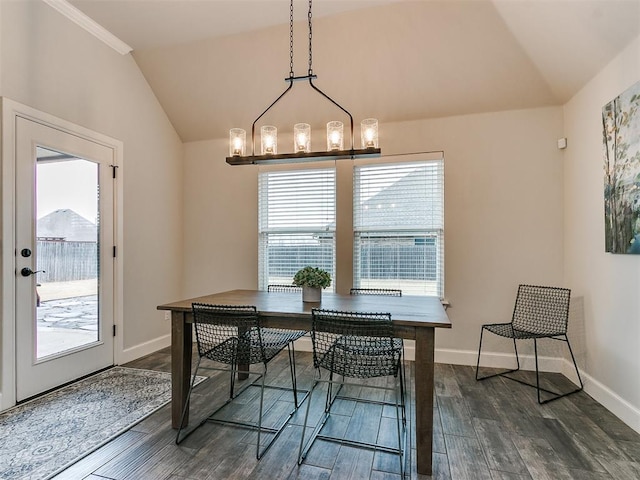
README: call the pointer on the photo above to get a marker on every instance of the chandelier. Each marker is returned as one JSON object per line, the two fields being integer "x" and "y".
{"x": 268, "y": 152}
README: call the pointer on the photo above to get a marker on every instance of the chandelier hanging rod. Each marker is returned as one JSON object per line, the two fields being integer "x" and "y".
{"x": 291, "y": 80}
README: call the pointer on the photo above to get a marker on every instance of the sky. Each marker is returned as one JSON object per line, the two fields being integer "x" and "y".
{"x": 71, "y": 184}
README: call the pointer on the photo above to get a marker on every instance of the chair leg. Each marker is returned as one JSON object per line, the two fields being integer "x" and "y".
{"x": 556, "y": 395}
{"x": 539, "y": 389}
{"x": 515, "y": 348}
{"x": 479, "y": 350}
{"x": 329, "y": 400}
{"x": 232, "y": 380}
{"x": 258, "y": 453}
{"x": 317, "y": 431}
{"x": 302, "y": 452}
{"x": 403, "y": 387}
{"x": 401, "y": 424}
{"x": 535, "y": 353}
{"x": 575, "y": 365}
{"x": 292, "y": 367}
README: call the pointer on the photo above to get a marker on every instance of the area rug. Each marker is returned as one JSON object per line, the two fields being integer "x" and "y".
{"x": 43, "y": 436}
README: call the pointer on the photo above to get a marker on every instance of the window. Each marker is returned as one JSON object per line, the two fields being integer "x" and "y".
{"x": 399, "y": 227}
{"x": 297, "y": 222}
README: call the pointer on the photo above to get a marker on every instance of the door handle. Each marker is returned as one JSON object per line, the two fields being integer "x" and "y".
{"x": 26, "y": 271}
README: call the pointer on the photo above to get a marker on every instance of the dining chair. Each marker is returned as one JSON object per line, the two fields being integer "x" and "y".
{"x": 394, "y": 292}
{"x": 355, "y": 345}
{"x": 539, "y": 312}
{"x": 391, "y": 292}
{"x": 284, "y": 288}
{"x": 232, "y": 335}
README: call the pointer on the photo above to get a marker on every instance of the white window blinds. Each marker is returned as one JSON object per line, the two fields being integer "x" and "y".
{"x": 297, "y": 222}
{"x": 399, "y": 227}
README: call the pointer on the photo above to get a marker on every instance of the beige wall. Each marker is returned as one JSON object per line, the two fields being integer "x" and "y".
{"x": 610, "y": 284}
{"x": 503, "y": 213}
{"x": 50, "y": 64}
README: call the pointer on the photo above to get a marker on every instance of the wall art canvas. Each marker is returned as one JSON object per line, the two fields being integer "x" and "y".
{"x": 621, "y": 141}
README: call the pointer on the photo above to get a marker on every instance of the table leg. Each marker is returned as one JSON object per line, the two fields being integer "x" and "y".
{"x": 181, "y": 345}
{"x": 424, "y": 398}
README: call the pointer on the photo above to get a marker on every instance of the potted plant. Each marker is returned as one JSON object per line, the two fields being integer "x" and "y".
{"x": 312, "y": 280}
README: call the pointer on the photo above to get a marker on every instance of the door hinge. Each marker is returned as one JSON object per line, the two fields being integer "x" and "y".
{"x": 114, "y": 330}
{"x": 114, "y": 251}
{"x": 114, "y": 167}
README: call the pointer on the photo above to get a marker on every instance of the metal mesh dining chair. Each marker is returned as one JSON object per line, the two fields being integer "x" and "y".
{"x": 539, "y": 312}
{"x": 393, "y": 292}
{"x": 284, "y": 288}
{"x": 358, "y": 346}
{"x": 232, "y": 335}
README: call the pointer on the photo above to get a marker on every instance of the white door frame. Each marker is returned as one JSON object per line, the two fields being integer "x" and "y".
{"x": 10, "y": 111}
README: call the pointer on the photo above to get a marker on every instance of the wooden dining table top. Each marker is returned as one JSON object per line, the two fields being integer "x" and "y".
{"x": 406, "y": 310}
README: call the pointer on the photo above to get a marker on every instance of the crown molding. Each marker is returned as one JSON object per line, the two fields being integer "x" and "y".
{"x": 82, "y": 20}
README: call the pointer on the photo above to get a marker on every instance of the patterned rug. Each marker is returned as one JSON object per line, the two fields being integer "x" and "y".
{"x": 43, "y": 436}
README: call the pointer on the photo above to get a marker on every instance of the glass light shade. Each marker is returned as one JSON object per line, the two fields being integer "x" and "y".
{"x": 269, "y": 139}
{"x": 335, "y": 136}
{"x": 369, "y": 133}
{"x": 237, "y": 142}
{"x": 302, "y": 138}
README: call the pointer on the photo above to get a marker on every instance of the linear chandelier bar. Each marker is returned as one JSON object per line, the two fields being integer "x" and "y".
{"x": 335, "y": 148}
{"x": 304, "y": 157}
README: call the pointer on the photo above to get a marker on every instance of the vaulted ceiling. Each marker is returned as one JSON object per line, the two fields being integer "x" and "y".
{"x": 217, "y": 64}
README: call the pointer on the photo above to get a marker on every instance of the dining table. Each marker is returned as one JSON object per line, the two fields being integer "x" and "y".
{"x": 414, "y": 318}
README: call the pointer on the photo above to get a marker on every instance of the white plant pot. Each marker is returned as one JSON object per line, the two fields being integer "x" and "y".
{"x": 311, "y": 294}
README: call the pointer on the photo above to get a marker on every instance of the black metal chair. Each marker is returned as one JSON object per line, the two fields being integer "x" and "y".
{"x": 539, "y": 312}
{"x": 361, "y": 346}
{"x": 232, "y": 335}
{"x": 393, "y": 292}
{"x": 284, "y": 288}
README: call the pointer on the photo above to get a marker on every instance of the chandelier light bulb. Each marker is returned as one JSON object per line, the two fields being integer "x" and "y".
{"x": 335, "y": 136}
{"x": 369, "y": 133}
{"x": 269, "y": 140}
{"x": 302, "y": 137}
{"x": 237, "y": 141}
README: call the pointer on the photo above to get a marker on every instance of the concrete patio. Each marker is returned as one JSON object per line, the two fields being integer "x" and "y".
{"x": 67, "y": 317}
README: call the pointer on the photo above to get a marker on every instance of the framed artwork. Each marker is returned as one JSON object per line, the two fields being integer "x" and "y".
{"x": 621, "y": 142}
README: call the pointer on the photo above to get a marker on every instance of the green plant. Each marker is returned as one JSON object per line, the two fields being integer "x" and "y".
{"x": 312, "y": 277}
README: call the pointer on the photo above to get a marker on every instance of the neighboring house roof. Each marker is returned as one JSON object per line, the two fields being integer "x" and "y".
{"x": 402, "y": 202}
{"x": 67, "y": 225}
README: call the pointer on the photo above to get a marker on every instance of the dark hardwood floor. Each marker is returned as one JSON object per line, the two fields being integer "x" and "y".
{"x": 492, "y": 430}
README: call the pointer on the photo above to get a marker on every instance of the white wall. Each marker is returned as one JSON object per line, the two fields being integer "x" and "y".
{"x": 50, "y": 64}
{"x": 503, "y": 214}
{"x": 610, "y": 284}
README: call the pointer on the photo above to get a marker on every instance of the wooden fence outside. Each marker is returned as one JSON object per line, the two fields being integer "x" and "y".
{"x": 65, "y": 261}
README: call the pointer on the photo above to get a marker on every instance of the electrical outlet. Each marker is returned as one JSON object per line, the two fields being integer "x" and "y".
{"x": 167, "y": 315}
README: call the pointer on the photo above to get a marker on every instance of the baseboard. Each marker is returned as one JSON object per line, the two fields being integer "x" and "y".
{"x": 137, "y": 351}
{"x": 606, "y": 397}
{"x": 499, "y": 360}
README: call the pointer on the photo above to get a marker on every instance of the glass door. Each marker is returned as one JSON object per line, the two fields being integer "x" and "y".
{"x": 64, "y": 239}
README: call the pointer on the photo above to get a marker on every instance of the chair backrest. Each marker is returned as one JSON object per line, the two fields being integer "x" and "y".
{"x": 283, "y": 288}
{"x": 355, "y": 344}
{"x": 393, "y": 292}
{"x": 542, "y": 310}
{"x": 228, "y": 333}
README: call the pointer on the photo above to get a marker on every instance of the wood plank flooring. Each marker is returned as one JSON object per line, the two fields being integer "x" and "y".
{"x": 492, "y": 430}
